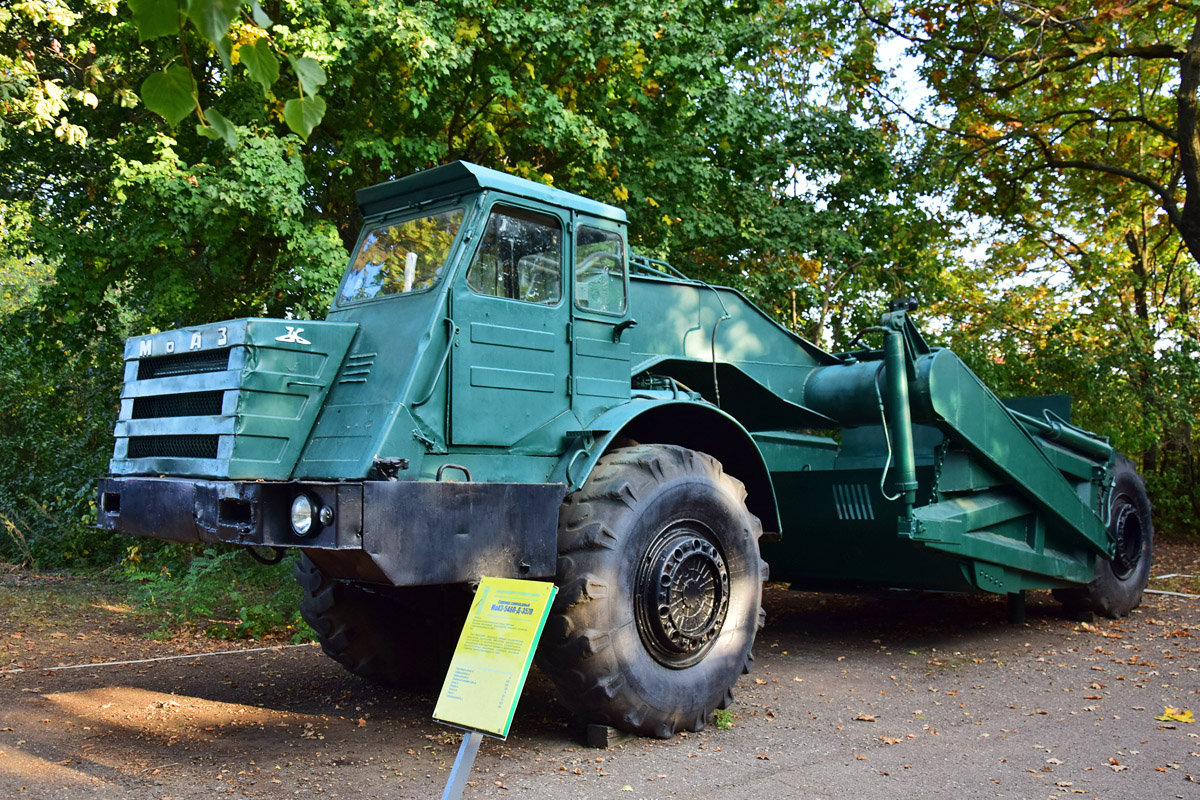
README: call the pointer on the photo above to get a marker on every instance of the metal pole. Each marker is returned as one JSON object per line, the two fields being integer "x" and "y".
{"x": 462, "y": 766}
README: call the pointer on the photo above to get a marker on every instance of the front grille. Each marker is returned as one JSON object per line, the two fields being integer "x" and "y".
{"x": 191, "y": 404}
{"x": 183, "y": 364}
{"x": 198, "y": 446}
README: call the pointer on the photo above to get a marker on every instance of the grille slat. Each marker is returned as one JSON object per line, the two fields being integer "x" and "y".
{"x": 194, "y": 446}
{"x": 191, "y": 363}
{"x": 191, "y": 404}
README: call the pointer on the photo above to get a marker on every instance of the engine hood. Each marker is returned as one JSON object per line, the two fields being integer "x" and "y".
{"x": 234, "y": 399}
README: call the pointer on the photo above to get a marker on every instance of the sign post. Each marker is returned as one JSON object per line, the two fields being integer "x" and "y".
{"x": 490, "y": 664}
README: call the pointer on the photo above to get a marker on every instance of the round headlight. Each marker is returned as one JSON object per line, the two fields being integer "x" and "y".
{"x": 302, "y": 514}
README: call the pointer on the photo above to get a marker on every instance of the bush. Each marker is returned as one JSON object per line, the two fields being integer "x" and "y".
{"x": 57, "y": 412}
{"x": 219, "y": 590}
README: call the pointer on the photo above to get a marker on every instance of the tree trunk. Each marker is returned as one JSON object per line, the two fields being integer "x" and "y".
{"x": 1188, "y": 128}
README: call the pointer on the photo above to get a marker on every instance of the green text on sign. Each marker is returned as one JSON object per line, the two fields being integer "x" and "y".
{"x": 493, "y": 655}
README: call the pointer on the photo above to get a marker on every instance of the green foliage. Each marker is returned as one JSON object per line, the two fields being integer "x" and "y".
{"x": 723, "y": 719}
{"x": 57, "y": 413}
{"x": 304, "y": 113}
{"x": 36, "y": 97}
{"x": 218, "y": 127}
{"x": 22, "y": 273}
{"x": 261, "y": 63}
{"x": 221, "y": 591}
{"x": 171, "y": 93}
{"x": 225, "y": 26}
{"x": 155, "y": 18}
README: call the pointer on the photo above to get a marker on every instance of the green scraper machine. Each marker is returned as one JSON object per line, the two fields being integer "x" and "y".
{"x": 502, "y": 389}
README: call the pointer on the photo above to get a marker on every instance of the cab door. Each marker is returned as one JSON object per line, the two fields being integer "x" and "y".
{"x": 600, "y": 317}
{"x": 511, "y": 359}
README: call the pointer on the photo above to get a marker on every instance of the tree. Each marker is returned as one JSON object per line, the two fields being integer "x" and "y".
{"x": 189, "y": 191}
{"x": 1067, "y": 134}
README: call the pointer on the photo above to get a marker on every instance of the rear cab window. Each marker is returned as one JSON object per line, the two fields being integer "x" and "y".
{"x": 600, "y": 271}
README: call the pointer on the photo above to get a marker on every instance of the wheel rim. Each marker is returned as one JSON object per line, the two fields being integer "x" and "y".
{"x": 681, "y": 596}
{"x": 1129, "y": 535}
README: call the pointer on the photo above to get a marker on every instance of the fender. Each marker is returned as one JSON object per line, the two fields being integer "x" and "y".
{"x": 687, "y": 423}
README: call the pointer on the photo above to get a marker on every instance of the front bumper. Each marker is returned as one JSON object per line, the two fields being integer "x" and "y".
{"x": 405, "y": 533}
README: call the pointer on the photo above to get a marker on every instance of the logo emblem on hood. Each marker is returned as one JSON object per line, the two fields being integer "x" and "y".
{"x": 293, "y": 335}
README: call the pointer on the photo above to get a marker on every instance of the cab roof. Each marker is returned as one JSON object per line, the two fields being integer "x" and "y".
{"x": 462, "y": 177}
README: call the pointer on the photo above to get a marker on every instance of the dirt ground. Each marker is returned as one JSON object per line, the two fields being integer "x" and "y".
{"x": 891, "y": 696}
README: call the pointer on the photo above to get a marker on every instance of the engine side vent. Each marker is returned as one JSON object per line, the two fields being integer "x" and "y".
{"x": 853, "y": 501}
{"x": 358, "y": 368}
{"x": 191, "y": 363}
{"x": 195, "y": 446}
{"x": 191, "y": 404}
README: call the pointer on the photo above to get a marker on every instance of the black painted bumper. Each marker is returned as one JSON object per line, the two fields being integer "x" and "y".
{"x": 405, "y": 533}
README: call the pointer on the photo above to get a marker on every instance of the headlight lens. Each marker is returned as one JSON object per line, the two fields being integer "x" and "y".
{"x": 302, "y": 514}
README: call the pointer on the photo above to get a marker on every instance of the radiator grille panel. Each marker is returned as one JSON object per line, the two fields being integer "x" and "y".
{"x": 192, "y": 404}
{"x": 195, "y": 446}
{"x": 183, "y": 364}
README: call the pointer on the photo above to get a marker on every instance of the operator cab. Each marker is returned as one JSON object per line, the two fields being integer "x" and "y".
{"x": 519, "y": 289}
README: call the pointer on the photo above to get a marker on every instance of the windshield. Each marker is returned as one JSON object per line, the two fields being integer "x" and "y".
{"x": 401, "y": 257}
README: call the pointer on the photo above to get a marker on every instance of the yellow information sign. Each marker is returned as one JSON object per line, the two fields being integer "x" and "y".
{"x": 493, "y": 655}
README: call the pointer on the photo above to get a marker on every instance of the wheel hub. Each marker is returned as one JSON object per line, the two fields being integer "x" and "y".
{"x": 1128, "y": 527}
{"x": 681, "y": 597}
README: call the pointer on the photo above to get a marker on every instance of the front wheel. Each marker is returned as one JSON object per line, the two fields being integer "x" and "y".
{"x": 402, "y": 637}
{"x": 660, "y": 589}
{"x": 1119, "y": 582}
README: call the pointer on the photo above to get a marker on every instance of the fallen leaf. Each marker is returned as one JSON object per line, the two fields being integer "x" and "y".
{"x": 861, "y": 757}
{"x": 890, "y": 740}
{"x": 1176, "y": 715}
{"x": 1118, "y": 767}
{"x": 865, "y": 718}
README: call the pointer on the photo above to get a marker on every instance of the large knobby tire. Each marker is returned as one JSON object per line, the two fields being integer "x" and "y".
{"x": 660, "y": 591}
{"x": 1117, "y": 588}
{"x": 402, "y": 637}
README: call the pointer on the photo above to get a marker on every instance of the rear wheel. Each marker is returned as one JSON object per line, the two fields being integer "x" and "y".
{"x": 401, "y": 637}
{"x": 1117, "y": 588}
{"x": 660, "y": 585}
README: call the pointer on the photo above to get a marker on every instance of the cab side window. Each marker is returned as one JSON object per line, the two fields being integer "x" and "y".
{"x": 519, "y": 257}
{"x": 599, "y": 271}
